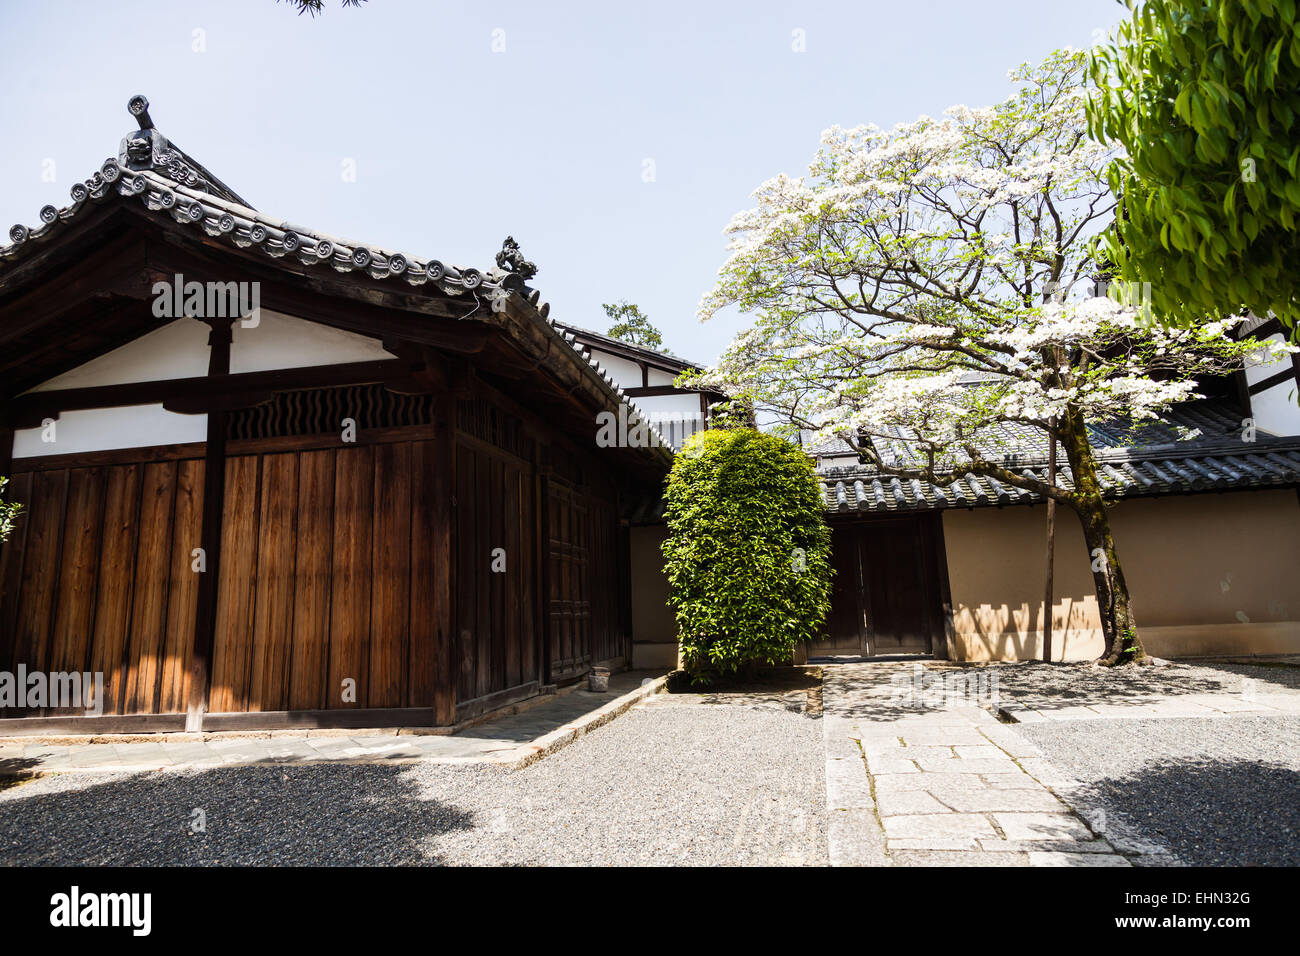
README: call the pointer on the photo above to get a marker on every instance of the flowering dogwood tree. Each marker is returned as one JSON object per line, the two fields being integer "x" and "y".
{"x": 928, "y": 289}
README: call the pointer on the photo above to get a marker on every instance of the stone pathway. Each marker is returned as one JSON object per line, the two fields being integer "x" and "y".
{"x": 514, "y": 739}
{"x": 915, "y": 777}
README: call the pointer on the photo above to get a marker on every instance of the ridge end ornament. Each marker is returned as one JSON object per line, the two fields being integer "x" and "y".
{"x": 510, "y": 257}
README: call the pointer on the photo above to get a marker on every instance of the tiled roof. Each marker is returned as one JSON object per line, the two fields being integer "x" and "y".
{"x": 598, "y": 339}
{"x": 166, "y": 180}
{"x": 245, "y": 227}
{"x": 1134, "y": 461}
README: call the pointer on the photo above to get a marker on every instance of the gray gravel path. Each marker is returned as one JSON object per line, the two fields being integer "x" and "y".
{"x": 685, "y": 783}
{"x": 1218, "y": 791}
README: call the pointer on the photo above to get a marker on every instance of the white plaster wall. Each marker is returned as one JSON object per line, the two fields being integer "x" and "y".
{"x": 676, "y": 416}
{"x": 1277, "y": 409}
{"x": 101, "y": 429}
{"x": 177, "y": 350}
{"x": 676, "y": 406}
{"x": 658, "y": 376}
{"x": 623, "y": 371}
{"x": 283, "y": 341}
{"x": 1257, "y": 372}
{"x": 180, "y": 350}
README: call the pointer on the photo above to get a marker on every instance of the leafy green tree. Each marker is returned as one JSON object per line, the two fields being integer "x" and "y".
{"x": 632, "y": 326}
{"x": 748, "y": 551}
{"x": 1204, "y": 96}
{"x": 925, "y": 293}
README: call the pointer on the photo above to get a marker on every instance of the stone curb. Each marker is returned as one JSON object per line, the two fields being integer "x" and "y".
{"x": 560, "y": 738}
{"x": 1016, "y": 713}
{"x": 513, "y": 758}
{"x": 207, "y": 736}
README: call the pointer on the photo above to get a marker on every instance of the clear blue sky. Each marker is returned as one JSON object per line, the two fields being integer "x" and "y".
{"x": 455, "y": 145}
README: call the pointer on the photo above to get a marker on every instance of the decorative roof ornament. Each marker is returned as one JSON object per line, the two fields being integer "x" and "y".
{"x": 147, "y": 148}
{"x": 510, "y": 257}
{"x": 138, "y": 106}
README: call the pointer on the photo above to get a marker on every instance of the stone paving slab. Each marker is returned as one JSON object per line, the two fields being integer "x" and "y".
{"x": 921, "y": 783}
{"x": 513, "y": 739}
{"x": 1028, "y": 707}
{"x": 958, "y": 858}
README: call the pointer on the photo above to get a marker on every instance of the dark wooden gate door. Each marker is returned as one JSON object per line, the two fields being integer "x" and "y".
{"x": 886, "y": 596}
{"x": 847, "y": 622}
{"x": 568, "y": 581}
{"x": 900, "y": 588}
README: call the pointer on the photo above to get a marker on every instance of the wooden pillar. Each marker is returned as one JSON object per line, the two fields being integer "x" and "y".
{"x": 544, "y": 569}
{"x": 442, "y": 495}
{"x": 214, "y": 493}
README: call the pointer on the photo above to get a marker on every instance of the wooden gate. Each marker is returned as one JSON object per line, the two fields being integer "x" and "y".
{"x": 887, "y": 593}
{"x": 568, "y": 581}
{"x": 325, "y": 598}
{"x": 496, "y": 566}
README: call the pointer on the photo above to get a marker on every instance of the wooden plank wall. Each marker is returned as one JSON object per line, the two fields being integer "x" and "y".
{"x": 329, "y": 580}
{"x": 334, "y": 566}
{"x": 97, "y": 577}
{"x": 496, "y": 614}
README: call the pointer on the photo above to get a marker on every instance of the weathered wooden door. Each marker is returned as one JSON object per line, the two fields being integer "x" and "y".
{"x": 901, "y": 591}
{"x": 568, "y": 581}
{"x": 885, "y": 595}
{"x": 327, "y": 580}
{"x": 847, "y": 622}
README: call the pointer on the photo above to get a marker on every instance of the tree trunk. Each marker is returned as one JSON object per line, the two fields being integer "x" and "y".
{"x": 1118, "y": 624}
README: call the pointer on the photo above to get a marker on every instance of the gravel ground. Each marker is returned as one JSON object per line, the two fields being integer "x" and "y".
{"x": 1218, "y": 791}
{"x": 675, "y": 783}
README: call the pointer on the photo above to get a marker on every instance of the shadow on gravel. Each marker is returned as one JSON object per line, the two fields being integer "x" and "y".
{"x": 14, "y": 770}
{"x": 1211, "y": 813}
{"x": 1048, "y": 687}
{"x": 286, "y": 816}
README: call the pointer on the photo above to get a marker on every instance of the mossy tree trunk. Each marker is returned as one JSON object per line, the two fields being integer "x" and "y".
{"x": 1114, "y": 605}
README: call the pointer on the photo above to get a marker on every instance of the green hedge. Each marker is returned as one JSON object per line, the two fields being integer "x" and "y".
{"x": 748, "y": 551}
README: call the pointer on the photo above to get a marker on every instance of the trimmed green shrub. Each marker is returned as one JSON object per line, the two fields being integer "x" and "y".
{"x": 748, "y": 551}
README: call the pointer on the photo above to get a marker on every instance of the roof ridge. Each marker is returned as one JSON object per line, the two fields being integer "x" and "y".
{"x": 674, "y": 359}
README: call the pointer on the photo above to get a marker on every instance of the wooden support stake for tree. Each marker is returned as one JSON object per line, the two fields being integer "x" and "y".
{"x": 1051, "y": 542}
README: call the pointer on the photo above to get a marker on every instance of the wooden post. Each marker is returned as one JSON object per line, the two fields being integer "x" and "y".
{"x": 443, "y": 493}
{"x": 214, "y": 493}
{"x": 544, "y": 566}
{"x": 1051, "y": 543}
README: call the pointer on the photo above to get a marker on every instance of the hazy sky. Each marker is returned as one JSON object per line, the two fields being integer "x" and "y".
{"x": 466, "y": 122}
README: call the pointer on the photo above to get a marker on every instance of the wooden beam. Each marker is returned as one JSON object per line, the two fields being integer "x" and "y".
{"x": 198, "y": 394}
{"x": 649, "y": 390}
{"x": 1287, "y": 375}
{"x": 118, "y": 272}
